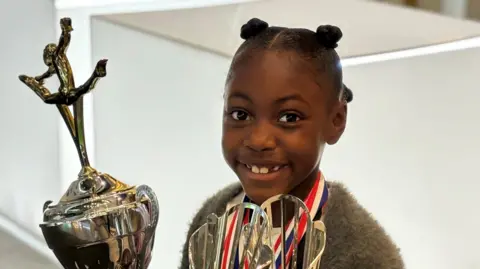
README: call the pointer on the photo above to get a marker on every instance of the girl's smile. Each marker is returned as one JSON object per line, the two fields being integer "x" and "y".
{"x": 263, "y": 171}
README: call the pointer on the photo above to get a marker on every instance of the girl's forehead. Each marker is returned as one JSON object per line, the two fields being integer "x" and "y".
{"x": 270, "y": 76}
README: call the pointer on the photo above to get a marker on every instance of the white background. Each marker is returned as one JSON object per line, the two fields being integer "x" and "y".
{"x": 29, "y": 144}
{"x": 29, "y": 163}
{"x": 409, "y": 153}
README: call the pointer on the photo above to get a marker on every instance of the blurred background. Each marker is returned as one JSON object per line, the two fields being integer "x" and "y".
{"x": 410, "y": 152}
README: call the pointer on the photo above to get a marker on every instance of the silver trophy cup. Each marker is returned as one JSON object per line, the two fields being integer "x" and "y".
{"x": 100, "y": 222}
{"x": 253, "y": 241}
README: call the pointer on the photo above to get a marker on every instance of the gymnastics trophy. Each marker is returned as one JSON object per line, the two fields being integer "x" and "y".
{"x": 100, "y": 222}
{"x": 243, "y": 237}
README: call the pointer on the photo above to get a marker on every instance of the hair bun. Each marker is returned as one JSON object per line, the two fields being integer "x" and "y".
{"x": 329, "y": 35}
{"x": 252, "y": 28}
{"x": 347, "y": 94}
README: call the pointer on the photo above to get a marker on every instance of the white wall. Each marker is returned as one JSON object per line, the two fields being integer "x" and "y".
{"x": 408, "y": 153}
{"x": 28, "y": 136}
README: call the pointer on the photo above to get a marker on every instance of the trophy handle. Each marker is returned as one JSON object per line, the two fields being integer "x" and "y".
{"x": 317, "y": 245}
{"x": 147, "y": 197}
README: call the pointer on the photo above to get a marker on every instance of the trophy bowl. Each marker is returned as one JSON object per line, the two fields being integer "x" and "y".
{"x": 112, "y": 230}
{"x": 100, "y": 222}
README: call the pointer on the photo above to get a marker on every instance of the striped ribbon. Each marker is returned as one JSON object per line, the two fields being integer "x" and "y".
{"x": 315, "y": 200}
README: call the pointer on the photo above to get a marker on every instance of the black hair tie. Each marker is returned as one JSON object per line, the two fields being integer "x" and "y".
{"x": 252, "y": 28}
{"x": 329, "y": 35}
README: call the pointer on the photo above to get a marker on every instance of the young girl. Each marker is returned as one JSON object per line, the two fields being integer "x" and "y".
{"x": 284, "y": 101}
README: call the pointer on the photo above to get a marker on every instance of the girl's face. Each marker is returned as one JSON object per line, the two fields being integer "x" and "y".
{"x": 277, "y": 120}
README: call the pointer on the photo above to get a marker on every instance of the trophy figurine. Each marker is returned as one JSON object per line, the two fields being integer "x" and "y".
{"x": 100, "y": 222}
{"x": 233, "y": 242}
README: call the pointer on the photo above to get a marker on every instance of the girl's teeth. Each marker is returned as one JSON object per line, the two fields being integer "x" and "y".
{"x": 262, "y": 170}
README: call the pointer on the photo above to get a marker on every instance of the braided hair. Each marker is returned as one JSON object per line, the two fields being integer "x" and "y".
{"x": 317, "y": 48}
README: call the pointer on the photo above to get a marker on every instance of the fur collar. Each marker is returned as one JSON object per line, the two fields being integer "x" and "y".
{"x": 354, "y": 239}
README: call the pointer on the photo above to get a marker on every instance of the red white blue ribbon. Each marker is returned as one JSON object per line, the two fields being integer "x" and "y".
{"x": 315, "y": 201}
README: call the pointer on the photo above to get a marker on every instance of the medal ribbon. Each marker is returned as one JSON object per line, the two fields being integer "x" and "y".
{"x": 316, "y": 200}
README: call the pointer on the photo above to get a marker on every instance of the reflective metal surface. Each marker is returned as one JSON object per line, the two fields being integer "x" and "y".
{"x": 293, "y": 209}
{"x": 255, "y": 239}
{"x": 100, "y": 222}
{"x": 252, "y": 241}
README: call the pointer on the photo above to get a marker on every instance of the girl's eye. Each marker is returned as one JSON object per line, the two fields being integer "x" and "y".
{"x": 289, "y": 118}
{"x": 240, "y": 115}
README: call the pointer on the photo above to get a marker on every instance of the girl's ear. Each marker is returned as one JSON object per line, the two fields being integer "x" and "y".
{"x": 336, "y": 122}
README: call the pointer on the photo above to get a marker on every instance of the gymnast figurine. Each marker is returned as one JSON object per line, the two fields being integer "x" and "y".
{"x": 54, "y": 57}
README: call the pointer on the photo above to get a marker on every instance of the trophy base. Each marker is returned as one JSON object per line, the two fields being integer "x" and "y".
{"x": 128, "y": 252}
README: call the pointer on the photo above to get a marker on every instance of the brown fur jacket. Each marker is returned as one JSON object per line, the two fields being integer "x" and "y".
{"x": 354, "y": 239}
